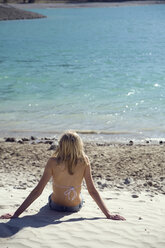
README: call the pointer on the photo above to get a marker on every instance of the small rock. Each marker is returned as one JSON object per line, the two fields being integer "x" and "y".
{"x": 19, "y": 187}
{"x": 135, "y": 196}
{"x": 131, "y": 143}
{"x": 150, "y": 183}
{"x": 99, "y": 183}
{"x": 48, "y": 142}
{"x": 20, "y": 142}
{"x": 52, "y": 147}
{"x": 104, "y": 185}
{"x": 140, "y": 218}
{"x": 148, "y": 176}
{"x": 25, "y": 139}
{"x": 156, "y": 185}
{"x": 119, "y": 187}
{"x": 10, "y": 139}
{"x": 33, "y": 138}
{"x": 160, "y": 142}
{"x": 126, "y": 181}
{"x": 108, "y": 179}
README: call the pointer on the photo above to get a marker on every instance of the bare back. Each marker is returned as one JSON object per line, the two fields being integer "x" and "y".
{"x": 66, "y": 187}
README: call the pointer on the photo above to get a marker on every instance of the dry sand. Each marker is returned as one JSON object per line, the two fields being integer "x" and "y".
{"x": 40, "y": 227}
{"x": 130, "y": 179}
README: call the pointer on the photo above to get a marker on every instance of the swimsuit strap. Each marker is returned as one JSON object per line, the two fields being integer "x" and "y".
{"x": 68, "y": 191}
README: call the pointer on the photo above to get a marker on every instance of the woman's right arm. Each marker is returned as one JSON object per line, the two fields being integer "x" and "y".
{"x": 96, "y": 196}
{"x": 35, "y": 193}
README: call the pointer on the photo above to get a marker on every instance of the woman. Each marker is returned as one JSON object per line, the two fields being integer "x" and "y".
{"x": 67, "y": 167}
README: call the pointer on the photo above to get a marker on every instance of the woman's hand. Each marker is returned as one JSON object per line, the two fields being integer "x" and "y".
{"x": 7, "y": 216}
{"x": 115, "y": 217}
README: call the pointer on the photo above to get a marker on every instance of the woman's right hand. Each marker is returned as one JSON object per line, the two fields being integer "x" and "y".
{"x": 7, "y": 216}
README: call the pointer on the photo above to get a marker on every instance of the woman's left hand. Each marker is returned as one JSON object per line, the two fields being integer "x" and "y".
{"x": 116, "y": 217}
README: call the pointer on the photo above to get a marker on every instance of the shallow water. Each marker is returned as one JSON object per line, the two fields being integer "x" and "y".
{"x": 97, "y": 69}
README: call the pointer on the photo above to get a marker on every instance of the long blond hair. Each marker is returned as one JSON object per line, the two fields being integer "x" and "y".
{"x": 70, "y": 150}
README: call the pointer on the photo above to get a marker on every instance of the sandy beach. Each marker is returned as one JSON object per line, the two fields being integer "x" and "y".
{"x": 130, "y": 178}
{"x": 134, "y": 168}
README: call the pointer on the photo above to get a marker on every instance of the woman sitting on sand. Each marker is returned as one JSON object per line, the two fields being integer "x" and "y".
{"x": 67, "y": 167}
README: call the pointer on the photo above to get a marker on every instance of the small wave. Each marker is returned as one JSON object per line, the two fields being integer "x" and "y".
{"x": 26, "y": 61}
{"x": 103, "y": 132}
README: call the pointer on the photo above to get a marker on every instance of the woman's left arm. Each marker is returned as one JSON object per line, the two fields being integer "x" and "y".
{"x": 35, "y": 193}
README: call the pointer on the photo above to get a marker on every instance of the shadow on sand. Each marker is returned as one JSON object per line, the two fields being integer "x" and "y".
{"x": 43, "y": 218}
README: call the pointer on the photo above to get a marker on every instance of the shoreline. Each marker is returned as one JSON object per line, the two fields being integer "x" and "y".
{"x": 86, "y": 4}
{"x": 124, "y": 167}
{"x": 102, "y": 137}
{"x": 20, "y": 11}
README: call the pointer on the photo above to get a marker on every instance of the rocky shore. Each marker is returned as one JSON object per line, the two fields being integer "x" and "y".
{"x": 8, "y": 12}
{"x": 135, "y": 168}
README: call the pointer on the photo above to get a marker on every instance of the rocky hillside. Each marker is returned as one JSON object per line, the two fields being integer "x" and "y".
{"x": 10, "y": 13}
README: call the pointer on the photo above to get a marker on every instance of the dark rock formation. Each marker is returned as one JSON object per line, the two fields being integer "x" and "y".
{"x": 8, "y": 12}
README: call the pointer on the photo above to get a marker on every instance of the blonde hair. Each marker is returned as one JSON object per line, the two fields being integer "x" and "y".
{"x": 70, "y": 150}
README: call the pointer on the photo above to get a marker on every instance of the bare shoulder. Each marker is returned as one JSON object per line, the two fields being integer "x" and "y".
{"x": 83, "y": 161}
{"x": 51, "y": 162}
{"x": 87, "y": 160}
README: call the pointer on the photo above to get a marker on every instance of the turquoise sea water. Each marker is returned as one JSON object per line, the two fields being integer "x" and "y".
{"x": 98, "y": 69}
